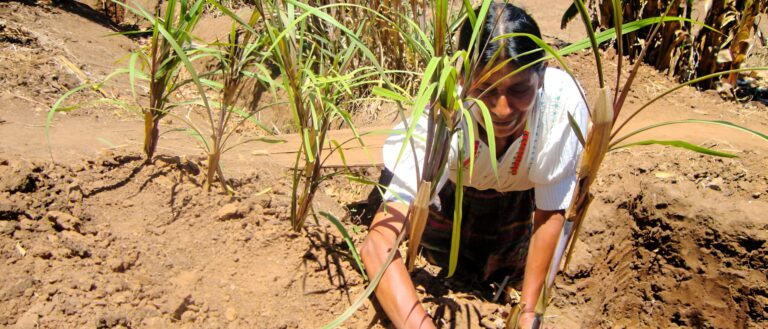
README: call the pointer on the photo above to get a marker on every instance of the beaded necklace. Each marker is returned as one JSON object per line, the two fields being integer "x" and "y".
{"x": 520, "y": 150}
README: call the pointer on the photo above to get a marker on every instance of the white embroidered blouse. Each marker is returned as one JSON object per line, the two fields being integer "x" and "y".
{"x": 546, "y": 163}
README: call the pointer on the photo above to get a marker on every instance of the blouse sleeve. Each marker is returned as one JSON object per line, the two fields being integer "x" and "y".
{"x": 405, "y": 180}
{"x": 554, "y": 169}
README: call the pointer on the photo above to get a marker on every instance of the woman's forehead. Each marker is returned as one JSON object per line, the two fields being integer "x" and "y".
{"x": 523, "y": 76}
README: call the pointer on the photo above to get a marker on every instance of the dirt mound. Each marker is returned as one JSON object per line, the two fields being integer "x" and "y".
{"x": 115, "y": 242}
{"x": 680, "y": 243}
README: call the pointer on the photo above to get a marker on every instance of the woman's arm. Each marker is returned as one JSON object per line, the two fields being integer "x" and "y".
{"x": 395, "y": 291}
{"x": 546, "y": 231}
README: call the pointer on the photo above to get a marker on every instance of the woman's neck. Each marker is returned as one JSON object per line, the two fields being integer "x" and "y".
{"x": 502, "y": 143}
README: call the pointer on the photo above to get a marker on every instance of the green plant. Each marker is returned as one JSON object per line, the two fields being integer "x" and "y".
{"x": 318, "y": 77}
{"x": 158, "y": 64}
{"x": 161, "y": 61}
{"x": 167, "y": 67}
{"x": 348, "y": 240}
{"x": 239, "y": 67}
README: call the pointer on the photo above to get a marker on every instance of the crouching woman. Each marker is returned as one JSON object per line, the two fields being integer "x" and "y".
{"x": 511, "y": 224}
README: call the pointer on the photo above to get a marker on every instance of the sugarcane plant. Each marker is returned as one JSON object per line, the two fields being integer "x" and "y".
{"x": 158, "y": 64}
{"x": 678, "y": 47}
{"x": 239, "y": 67}
{"x": 603, "y": 134}
{"x": 321, "y": 62}
{"x": 161, "y": 61}
{"x": 169, "y": 66}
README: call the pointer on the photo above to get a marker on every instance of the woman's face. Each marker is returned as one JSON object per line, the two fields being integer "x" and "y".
{"x": 509, "y": 100}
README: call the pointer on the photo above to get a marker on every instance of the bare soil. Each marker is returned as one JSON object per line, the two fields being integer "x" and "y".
{"x": 97, "y": 237}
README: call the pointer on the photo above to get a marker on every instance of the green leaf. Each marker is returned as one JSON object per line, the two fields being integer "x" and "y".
{"x": 389, "y": 94}
{"x": 671, "y": 90}
{"x": 489, "y": 132}
{"x": 576, "y": 129}
{"x": 667, "y": 123}
{"x": 418, "y": 110}
{"x": 344, "y": 233}
{"x": 368, "y": 290}
{"x": 106, "y": 142}
{"x": 470, "y": 132}
{"x": 337, "y": 148}
{"x": 680, "y": 144}
{"x": 56, "y": 108}
{"x": 629, "y": 27}
{"x": 307, "y": 146}
{"x": 479, "y": 22}
{"x": 132, "y": 73}
{"x": 592, "y": 40}
{"x": 453, "y": 256}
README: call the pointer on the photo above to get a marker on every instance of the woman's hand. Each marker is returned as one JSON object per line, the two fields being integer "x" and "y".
{"x": 546, "y": 231}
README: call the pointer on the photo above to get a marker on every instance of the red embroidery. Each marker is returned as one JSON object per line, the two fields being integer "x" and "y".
{"x": 477, "y": 148}
{"x": 520, "y": 151}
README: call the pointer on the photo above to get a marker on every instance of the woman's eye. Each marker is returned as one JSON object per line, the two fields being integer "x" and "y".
{"x": 488, "y": 92}
{"x": 518, "y": 90}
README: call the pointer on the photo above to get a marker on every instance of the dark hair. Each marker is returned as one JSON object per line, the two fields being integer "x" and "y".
{"x": 507, "y": 18}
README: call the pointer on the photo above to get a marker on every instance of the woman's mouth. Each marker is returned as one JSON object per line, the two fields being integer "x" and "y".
{"x": 503, "y": 123}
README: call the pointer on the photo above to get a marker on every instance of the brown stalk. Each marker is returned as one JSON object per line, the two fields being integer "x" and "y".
{"x": 419, "y": 212}
{"x": 598, "y": 139}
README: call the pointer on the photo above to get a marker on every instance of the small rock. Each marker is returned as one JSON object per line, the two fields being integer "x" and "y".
{"x": 229, "y": 211}
{"x": 28, "y": 320}
{"x": 7, "y": 227}
{"x": 756, "y": 195}
{"x": 230, "y": 314}
{"x": 122, "y": 264}
{"x": 716, "y": 184}
{"x": 30, "y": 225}
{"x": 487, "y": 323}
{"x": 18, "y": 178}
{"x": 188, "y": 316}
{"x": 113, "y": 320}
{"x": 63, "y": 221}
{"x": 177, "y": 304}
{"x": 76, "y": 243}
{"x": 9, "y": 210}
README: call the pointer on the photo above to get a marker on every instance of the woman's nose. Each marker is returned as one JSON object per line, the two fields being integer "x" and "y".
{"x": 502, "y": 107}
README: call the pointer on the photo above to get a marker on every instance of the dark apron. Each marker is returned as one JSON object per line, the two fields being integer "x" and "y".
{"x": 495, "y": 232}
{"x": 496, "y": 229}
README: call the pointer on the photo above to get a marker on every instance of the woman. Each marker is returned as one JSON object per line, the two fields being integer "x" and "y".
{"x": 510, "y": 226}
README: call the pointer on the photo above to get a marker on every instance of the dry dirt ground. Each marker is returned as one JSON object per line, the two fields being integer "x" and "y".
{"x": 102, "y": 239}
